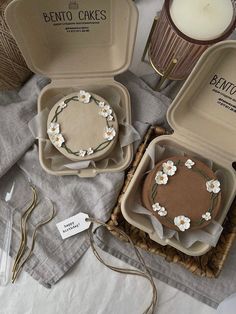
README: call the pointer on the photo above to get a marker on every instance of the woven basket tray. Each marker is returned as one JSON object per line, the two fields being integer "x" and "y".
{"x": 208, "y": 265}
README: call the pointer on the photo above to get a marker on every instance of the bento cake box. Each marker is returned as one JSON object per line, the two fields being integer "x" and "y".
{"x": 203, "y": 118}
{"x": 79, "y": 45}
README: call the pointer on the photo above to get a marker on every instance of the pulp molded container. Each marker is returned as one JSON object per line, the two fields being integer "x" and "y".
{"x": 203, "y": 117}
{"x": 78, "y": 45}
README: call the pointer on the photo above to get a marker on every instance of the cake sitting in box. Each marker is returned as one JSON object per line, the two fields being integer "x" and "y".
{"x": 83, "y": 126}
{"x": 182, "y": 193}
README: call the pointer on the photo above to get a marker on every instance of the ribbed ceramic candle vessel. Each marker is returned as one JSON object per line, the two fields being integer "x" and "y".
{"x": 182, "y": 33}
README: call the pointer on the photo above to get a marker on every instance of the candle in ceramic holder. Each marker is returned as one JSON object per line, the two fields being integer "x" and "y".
{"x": 184, "y": 30}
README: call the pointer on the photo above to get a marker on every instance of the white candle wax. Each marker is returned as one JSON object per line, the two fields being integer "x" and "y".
{"x": 202, "y": 19}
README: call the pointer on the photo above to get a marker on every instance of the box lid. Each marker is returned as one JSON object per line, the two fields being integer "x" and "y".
{"x": 74, "y": 38}
{"x": 205, "y": 108}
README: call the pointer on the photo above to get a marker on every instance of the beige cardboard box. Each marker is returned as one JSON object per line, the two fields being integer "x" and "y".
{"x": 203, "y": 117}
{"x": 79, "y": 45}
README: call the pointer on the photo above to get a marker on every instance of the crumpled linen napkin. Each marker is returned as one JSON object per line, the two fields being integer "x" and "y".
{"x": 17, "y": 108}
{"x": 52, "y": 256}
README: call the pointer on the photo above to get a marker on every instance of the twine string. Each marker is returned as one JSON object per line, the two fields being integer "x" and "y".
{"x": 25, "y": 216}
{"x": 19, "y": 262}
{"x": 40, "y": 225}
{"x": 145, "y": 273}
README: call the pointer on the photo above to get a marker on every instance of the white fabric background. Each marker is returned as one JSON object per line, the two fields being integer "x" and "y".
{"x": 90, "y": 287}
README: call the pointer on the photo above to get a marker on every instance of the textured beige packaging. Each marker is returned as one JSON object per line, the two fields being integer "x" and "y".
{"x": 203, "y": 117}
{"x": 80, "y": 45}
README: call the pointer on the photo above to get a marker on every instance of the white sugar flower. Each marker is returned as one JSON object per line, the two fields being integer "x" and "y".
{"x": 161, "y": 178}
{"x": 105, "y": 111}
{"x": 58, "y": 140}
{"x": 182, "y": 222}
{"x": 189, "y": 164}
{"x": 156, "y": 207}
{"x": 109, "y": 133}
{"x": 207, "y": 216}
{"x": 90, "y": 151}
{"x": 63, "y": 105}
{"x": 162, "y": 212}
{"x": 101, "y": 104}
{"x": 54, "y": 129}
{"x": 169, "y": 168}
{"x": 213, "y": 186}
{"x": 84, "y": 97}
{"x": 82, "y": 153}
{"x": 110, "y": 118}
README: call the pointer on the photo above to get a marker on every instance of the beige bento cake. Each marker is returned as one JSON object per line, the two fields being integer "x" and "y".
{"x": 86, "y": 58}
{"x": 182, "y": 193}
{"x": 83, "y": 126}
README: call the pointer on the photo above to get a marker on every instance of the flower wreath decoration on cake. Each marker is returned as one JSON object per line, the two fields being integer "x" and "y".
{"x": 169, "y": 169}
{"x": 58, "y": 139}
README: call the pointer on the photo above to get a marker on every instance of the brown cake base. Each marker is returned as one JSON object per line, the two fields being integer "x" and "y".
{"x": 185, "y": 194}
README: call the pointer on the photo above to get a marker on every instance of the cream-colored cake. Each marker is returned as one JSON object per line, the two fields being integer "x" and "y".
{"x": 83, "y": 126}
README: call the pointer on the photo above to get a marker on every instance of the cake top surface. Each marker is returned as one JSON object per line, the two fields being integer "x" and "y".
{"x": 183, "y": 193}
{"x": 83, "y": 126}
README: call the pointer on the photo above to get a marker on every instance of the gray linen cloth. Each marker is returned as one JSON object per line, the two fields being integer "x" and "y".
{"x": 17, "y": 108}
{"x": 53, "y": 257}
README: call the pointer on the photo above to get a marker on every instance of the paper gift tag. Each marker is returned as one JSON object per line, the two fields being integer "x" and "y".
{"x": 73, "y": 225}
